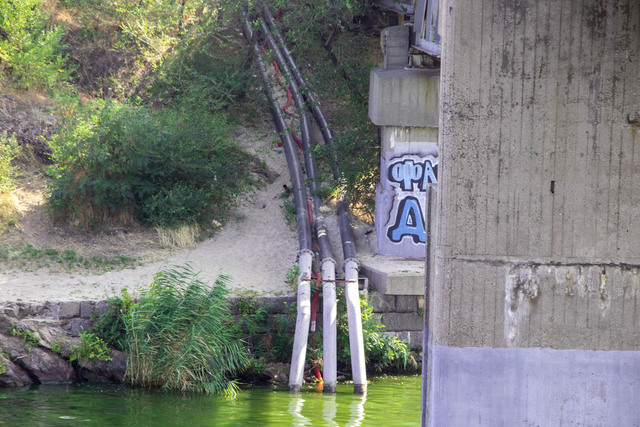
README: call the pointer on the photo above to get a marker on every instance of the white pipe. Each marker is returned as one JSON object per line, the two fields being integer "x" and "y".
{"x": 329, "y": 329}
{"x": 302, "y": 321}
{"x": 356, "y": 341}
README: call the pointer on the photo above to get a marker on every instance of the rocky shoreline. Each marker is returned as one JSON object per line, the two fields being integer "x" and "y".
{"x": 37, "y": 341}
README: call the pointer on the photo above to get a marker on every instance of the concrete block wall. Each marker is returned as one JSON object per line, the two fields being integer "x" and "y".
{"x": 402, "y": 316}
{"x": 535, "y": 279}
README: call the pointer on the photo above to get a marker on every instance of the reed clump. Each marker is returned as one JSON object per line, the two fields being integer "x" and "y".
{"x": 179, "y": 336}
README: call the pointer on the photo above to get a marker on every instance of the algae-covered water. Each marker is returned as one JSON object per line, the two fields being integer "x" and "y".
{"x": 390, "y": 401}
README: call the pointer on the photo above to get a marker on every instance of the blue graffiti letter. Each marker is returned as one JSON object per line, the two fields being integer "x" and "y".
{"x": 409, "y": 222}
{"x": 406, "y": 173}
{"x": 430, "y": 174}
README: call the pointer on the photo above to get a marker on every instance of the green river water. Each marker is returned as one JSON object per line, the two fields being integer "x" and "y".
{"x": 390, "y": 401}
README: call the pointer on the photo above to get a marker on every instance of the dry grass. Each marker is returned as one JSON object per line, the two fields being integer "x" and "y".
{"x": 181, "y": 237}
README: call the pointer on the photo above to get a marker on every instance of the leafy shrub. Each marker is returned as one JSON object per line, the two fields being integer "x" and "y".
{"x": 9, "y": 149}
{"x": 180, "y": 337}
{"x": 110, "y": 326}
{"x": 119, "y": 163}
{"x": 92, "y": 348}
{"x": 30, "y": 51}
{"x": 382, "y": 351}
{"x": 268, "y": 337}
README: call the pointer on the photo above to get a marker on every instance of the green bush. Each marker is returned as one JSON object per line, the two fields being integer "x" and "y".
{"x": 118, "y": 163}
{"x": 382, "y": 351}
{"x": 30, "y": 51}
{"x": 92, "y": 348}
{"x": 180, "y": 336}
{"x": 110, "y": 326}
{"x": 269, "y": 338}
{"x": 9, "y": 149}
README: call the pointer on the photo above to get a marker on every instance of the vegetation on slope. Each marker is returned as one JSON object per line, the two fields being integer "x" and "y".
{"x": 144, "y": 94}
{"x": 130, "y": 77}
{"x": 335, "y": 44}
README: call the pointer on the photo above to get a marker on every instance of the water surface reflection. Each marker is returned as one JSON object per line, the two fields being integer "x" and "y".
{"x": 388, "y": 398}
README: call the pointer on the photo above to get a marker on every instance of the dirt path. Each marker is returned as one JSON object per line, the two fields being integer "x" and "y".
{"x": 256, "y": 247}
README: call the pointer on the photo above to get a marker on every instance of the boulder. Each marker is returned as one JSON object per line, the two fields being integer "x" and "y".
{"x": 13, "y": 375}
{"x": 113, "y": 370}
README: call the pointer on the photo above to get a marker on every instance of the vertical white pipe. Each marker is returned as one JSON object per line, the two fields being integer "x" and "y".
{"x": 302, "y": 321}
{"x": 356, "y": 341}
{"x": 329, "y": 329}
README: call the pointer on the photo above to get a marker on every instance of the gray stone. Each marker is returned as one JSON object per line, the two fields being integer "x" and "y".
{"x": 69, "y": 309}
{"x": 382, "y": 303}
{"x": 39, "y": 363}
{"x": 101, "y": 307}
{"x": 77, "y": 326}
{"x": 276, "y": 373}
{"x": 14, "y": 375}
{"x": 112, "y": 370}
{"x": 415, "y": 339}
{"x": 406, "y": 304}
{"x": 87, "y": 309}
{"x": 402, "y": 321}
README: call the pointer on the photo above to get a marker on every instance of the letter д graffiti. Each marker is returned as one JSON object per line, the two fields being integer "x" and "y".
{"x": 409, "y": 222}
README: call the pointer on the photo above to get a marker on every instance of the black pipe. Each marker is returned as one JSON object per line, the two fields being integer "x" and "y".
{"x": 305, "y": 127}
{"x": 322, "y": 234}
{"x": 320, "y": 228}
{"x": 346, "y": 231}
{"x": 299, "y": 193}
{"x": 313, "y": 103}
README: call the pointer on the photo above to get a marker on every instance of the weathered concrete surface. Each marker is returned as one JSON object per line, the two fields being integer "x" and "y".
{"x": 394, "y": 276}
{"x": 395, "y": 46}
{"x": 404, "y": 101}
{"x": 537, "y": 242}
{"x": 398, "y": 97}
{"x": 534, "y": 387}
{"x": 537, "y": 305}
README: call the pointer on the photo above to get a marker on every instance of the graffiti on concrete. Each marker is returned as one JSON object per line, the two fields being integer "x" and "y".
{"x": 408, "y": 176}
{"x": 409, "y": 222}
{"x": 407, "y": 172}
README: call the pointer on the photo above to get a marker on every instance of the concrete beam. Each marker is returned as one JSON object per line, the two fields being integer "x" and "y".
{"x": 399, "y": 97}
{"x": 394, "y": 276}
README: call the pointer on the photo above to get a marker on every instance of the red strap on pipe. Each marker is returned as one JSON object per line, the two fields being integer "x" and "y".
{"x": 314, "y": 310}
{"x": 275, "y": 66}
{"x": 293, "y": 134}
{"x": 288, "y": 103}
